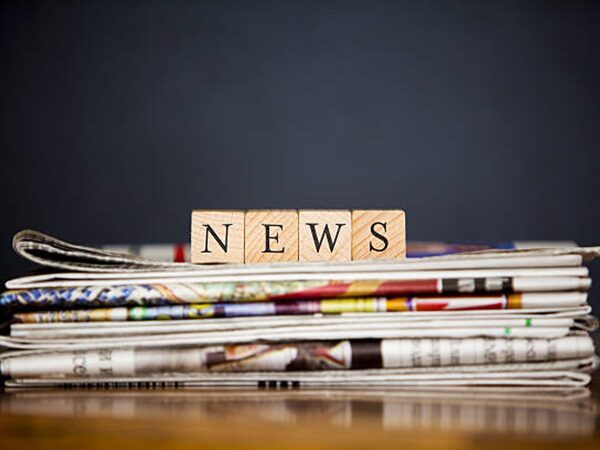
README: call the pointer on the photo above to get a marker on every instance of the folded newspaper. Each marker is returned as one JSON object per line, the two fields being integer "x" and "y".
{"x": 493, "y": 317}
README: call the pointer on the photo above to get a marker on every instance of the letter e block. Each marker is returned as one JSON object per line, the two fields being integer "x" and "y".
{"x": 271, "y": 236}
{"x": 378, "y": 234}
{"x": 217, "y": 237}
{"x": 325, "y": 235}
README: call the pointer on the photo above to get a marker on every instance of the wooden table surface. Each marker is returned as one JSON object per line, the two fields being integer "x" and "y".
{"x": 299, "y": 419}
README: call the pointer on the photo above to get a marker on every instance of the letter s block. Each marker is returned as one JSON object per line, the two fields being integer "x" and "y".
{"x": 378, "y": 234}
{"x": 217, "y": 237}
{"x": 271, "y": 236}
{"x": 325, "y": 235}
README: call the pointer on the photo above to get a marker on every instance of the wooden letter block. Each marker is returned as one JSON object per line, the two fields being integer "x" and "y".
{"x": 217, "y": 237}
{"x": 271, "y": 236}
{"x": 378, "y": 234}
{"x": 325, "y": 235}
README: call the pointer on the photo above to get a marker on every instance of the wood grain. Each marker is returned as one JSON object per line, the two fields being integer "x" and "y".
{"x": 325, "y": 235}
{"x": 226, "y": 245}
{"x": 240, "y": 419}
{"x": 271, "y": 236}
{"x": 378, "y": 234}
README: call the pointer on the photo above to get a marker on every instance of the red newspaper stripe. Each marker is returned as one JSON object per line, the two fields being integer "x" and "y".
{"x": 179, "y": 253}
{"x": 387, "y": 288}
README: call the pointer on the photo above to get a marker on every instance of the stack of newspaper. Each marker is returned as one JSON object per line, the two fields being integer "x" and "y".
{"x": 101, "y": 318}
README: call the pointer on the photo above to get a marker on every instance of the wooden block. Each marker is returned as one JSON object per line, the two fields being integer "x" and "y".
{"x": 271, "y": 236}
{"x": 378, "y": 234}
{"x": 217, "y": 236}
{"x": 325, "y": 235}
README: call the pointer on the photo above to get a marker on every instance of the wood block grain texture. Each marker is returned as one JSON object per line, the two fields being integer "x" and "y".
{"x": 217, "y": 236}
{"x": 271, "y": 236}
{"x": 378, "y": 234}
{"x": 325, "y": 235}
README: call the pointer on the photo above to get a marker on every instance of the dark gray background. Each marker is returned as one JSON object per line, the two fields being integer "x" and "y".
{"x": 480, "y": 119}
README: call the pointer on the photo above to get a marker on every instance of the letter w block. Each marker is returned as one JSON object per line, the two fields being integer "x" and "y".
{"x": 217, "y": 237}
{"x": 325, "y": 235}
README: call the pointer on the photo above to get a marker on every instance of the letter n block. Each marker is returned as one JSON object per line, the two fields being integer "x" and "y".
{"x": 378, "y": 234}
{"x": 217, "y": 237}
{"x": 325, "y": 235}
{"x": 271, "y": 236}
